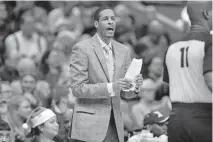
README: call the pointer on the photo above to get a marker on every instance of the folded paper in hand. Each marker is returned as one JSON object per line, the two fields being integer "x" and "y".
{"x": 133, "y": 70}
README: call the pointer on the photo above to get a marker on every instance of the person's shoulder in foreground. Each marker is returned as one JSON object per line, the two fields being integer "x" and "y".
{"x": 197, "y": 34}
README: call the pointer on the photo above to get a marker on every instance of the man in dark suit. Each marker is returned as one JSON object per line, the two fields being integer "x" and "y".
{"x": 98, "y": 67}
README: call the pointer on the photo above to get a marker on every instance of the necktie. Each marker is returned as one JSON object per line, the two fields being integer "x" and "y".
{"x": 109, "y": 61}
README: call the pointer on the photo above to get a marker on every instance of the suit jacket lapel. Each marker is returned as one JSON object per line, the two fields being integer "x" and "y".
{"x": 100, "y": 54}
{"x": 116, "y": 57}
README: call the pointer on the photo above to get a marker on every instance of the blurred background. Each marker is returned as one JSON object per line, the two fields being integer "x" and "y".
{"x": 36, "y": 40}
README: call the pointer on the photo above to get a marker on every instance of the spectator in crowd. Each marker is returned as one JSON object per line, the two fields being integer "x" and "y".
{"x": 29, "y": 83}
{"x": 8, "y": 72}
{"x": 6, "y": 90}
{"x": 3, "y": 109}
{"x": 18, "y": 111}
{"x": 5, "y": 132}
{"x": 64, "y": 78}
{"x": 140, "y": 51}
{"x": 27, "y": 87}
{"x": 155, "y": 40}
{"x": 67, "y": 124}
{"x": 26, "y": 42}
{"x": 5, "y": 26}
{"x": 67, "y": 120}
{"x": 88, "y": 10}
{"x": 51, "y": 65}
{"x": 43, "y": 92}
{"x": 155, "y": 70}
{"x": 61, "y": 105}
{"x": 147, "y": 106}
{"x": 42, "y": 125}
{"x": 64, "y": 42}
{"x": 60, "y": 100}
{"x": 5, "y": 96}
{"x": 68, "y": 12}
{"x": 26, "y": 65}
{"x": 38, "y": 13}
{"x": 125, "y": 32}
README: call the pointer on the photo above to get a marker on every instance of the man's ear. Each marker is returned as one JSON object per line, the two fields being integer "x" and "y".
{"x": 96, "y": 24}
{"x": 206, "y": 14}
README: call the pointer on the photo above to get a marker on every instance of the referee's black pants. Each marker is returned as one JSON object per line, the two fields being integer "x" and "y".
{"x": 190, "y": 122}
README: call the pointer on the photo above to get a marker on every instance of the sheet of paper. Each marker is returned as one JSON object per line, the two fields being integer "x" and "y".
{"x": 133, "y": 70}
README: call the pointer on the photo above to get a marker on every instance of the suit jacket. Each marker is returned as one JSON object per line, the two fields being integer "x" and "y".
{"x": 89, "y": 78}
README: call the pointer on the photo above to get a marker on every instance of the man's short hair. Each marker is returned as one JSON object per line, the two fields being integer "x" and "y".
{"x": 98, "y": 11}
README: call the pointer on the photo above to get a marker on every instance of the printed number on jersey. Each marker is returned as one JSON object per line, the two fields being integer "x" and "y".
{"x": 184, "y": 57}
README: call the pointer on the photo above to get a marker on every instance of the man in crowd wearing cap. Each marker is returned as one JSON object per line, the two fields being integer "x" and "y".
{"x": 98, "y": 67}
{"x": 188, "y": 70}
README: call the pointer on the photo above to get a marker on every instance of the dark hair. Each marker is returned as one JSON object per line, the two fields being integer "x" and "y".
{"x": 98, "y": 11}
{"x": 34, "y": 132}
{"x": 140, "y": 47}
{"x": 43, "y": 65}
{"x": 4, "y": 125}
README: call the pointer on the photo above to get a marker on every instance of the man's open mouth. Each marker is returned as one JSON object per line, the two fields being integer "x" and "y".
{"x": 110, "y": 29}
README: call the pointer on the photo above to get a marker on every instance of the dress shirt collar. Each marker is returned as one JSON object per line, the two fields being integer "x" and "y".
{"x": 103, "y": 44}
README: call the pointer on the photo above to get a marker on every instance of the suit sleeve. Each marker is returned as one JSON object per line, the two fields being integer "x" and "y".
{"x": 207, "y": 62}
{"x": 79, "y": 77}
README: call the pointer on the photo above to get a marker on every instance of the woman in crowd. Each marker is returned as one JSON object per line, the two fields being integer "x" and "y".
{"x": 26, "y": 86}
{"x": 42, "y": 126}
{"x": 29, "y": 83}
{"x": 51, "y": 66}
{"x": 6, "y": 94}
{"x": 18, "y": 111}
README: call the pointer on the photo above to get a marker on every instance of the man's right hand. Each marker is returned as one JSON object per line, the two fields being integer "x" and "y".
{"x": 121, "y": 84}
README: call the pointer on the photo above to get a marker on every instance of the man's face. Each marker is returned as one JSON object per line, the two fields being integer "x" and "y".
{"x": 106, "y": 24}
{"x": 4, "y": 136}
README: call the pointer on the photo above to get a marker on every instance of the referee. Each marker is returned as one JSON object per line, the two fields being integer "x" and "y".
{"x": 188, "y": 70}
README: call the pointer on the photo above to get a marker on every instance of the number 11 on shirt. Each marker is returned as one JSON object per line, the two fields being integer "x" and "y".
{"x": 184, "y": 62}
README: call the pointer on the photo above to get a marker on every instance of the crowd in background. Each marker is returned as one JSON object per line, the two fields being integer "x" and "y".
{"x": 36, "y": 40}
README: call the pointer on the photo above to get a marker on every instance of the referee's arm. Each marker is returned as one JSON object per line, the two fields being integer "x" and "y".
{"x": 207, "y": 66}
{"x": 165, "y": 70}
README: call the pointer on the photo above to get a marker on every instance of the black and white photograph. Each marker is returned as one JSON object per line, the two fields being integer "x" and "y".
{"x": 105, "y": 71}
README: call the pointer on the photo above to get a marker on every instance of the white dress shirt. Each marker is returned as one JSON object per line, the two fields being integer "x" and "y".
{"x": 109, "y": 85}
